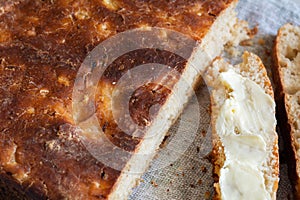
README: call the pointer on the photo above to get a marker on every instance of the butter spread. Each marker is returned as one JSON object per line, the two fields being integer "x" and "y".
{"x": 244, "y": 123}
{"x": 242, "y": 182}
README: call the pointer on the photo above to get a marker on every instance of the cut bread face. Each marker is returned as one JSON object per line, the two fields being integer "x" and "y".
{"x": 287, "y": 79}
{"x": 245, "y": 150}
{"x": 211, "y": 46}
{"x": 45, "y": 157}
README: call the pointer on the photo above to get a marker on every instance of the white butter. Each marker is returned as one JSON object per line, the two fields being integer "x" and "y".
{"x": 245, "y": 148}
{"x": 242, "y": 182}
{"x": 244, "y": 122}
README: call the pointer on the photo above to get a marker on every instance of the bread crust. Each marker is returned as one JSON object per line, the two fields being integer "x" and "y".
{"x": 218, "y": 155}
{"x": 42, "y": 45}
{"x": 283, "y": 115}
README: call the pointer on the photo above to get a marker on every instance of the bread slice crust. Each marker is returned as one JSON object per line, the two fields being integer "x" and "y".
{"x": 284, "y": 54}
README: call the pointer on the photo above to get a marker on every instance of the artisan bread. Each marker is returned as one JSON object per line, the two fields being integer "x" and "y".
{"x": 245, "y": 150}
{"x": 42, "y": 46}
{"x": 286, "y": 74}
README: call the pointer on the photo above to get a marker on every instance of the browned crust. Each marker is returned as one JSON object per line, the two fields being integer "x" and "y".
{"x": 218, "y": 155}
{"x": 283, "y": 121}
{"x": 11, "y": 189}
{"x": 42, "y": 44}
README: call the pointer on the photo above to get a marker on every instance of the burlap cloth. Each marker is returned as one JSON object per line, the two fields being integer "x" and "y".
{"x": 190, "y": 175}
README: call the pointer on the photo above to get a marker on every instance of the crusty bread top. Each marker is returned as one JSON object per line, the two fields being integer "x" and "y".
{"x": 287, "y": 58}
{"x": 42, "y": 45}
{"x": 252, "y": 69}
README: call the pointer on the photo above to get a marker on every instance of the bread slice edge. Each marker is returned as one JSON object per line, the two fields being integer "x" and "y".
{"x": 284, "y": 55}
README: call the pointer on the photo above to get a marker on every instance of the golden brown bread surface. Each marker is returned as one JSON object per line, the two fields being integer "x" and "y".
{"x": 252, "y": 69}
{"x": 42, "y": 45}
{"x": 286, "y": 74}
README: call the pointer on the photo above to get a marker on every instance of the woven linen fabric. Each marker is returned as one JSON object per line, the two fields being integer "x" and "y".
{"x": 181, "y": 169}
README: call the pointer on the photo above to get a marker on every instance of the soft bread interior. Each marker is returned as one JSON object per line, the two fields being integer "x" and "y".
{"x": 245, "y": 153}
{"x": 210, "y": 47}
{"x": 288, "y": 49}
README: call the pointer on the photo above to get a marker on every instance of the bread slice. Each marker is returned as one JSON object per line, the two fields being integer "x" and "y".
{"x": 42, "y": 46}
{"x": 245, "y": 150}
{"x": 287, "y": 79}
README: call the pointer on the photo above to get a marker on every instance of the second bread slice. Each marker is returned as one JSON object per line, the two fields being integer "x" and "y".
{"x": 287, "y": 79}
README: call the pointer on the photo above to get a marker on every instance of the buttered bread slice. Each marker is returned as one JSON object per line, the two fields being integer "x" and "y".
{"x": 245, "y": 150}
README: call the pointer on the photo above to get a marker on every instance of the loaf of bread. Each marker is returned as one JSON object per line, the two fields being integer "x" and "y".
{"x": 42, "y": 46}
{"x": 245, "y": 149}
{"x": 286, "y": 74}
